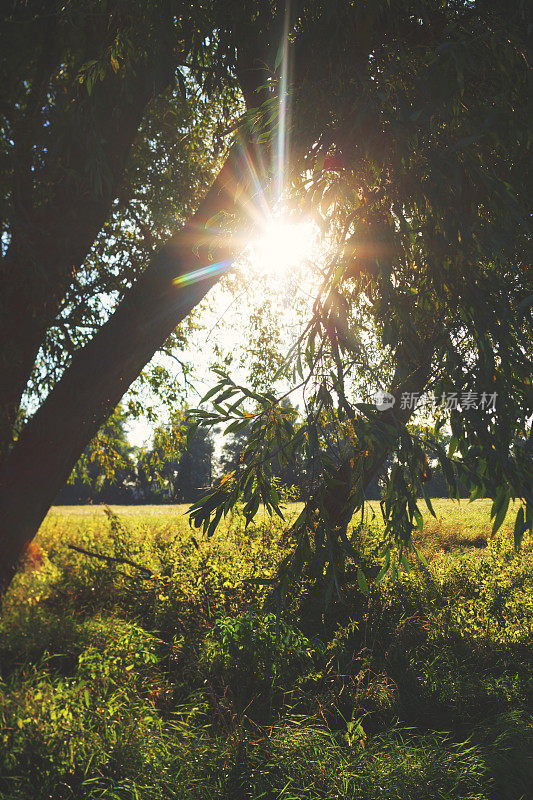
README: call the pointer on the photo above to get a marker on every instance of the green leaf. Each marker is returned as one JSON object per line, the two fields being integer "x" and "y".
{"x": 498, "y": 501}
{"x": 454, "y": 444}
{"x": 211, "y": 393}
{"x": 529, "y": 516}
{"x": 214, "y": 522}
{"x": 421, "y": 557}
{"x": 478, "y": 490}
{"x": 237, "y": 425}
{"x": 224, "y": 396}
{"x": 502, "y": 512}
{"x": 428, "y": 503}
{"x": 385, "y": 568}
{"x": 362, "y": 582}
{"x": 404, "y": 562}
{"x": 419, "y": 519}
{"x": 279, "y": 54}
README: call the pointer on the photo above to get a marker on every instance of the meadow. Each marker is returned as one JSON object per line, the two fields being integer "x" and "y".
{"x": 171, "y": 670}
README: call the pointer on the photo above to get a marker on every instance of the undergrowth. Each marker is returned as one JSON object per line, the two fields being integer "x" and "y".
{"x": 183, "y": 680}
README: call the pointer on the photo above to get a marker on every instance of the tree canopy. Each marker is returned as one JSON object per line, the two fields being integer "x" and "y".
{"x": 417, "y": 169}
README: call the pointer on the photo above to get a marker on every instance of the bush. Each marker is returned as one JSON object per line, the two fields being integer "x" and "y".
{"x": 181, "y": 686}
{"x": 257, "y": 653}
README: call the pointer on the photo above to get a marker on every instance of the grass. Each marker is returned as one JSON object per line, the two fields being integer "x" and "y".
{"x": 188, "y": 684}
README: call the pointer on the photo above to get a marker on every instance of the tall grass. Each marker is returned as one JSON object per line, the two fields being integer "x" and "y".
{"x": 177, "y": 681}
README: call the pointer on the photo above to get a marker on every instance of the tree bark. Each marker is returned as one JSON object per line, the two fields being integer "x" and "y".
{"x": 411, "y": 376}
{"x": 100, "y": 373}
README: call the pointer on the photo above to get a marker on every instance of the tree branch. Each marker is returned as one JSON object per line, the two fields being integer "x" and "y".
{"x": 113, "y": 560}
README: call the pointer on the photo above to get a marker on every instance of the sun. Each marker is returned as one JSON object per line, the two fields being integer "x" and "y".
{"x": 282, "y": 245}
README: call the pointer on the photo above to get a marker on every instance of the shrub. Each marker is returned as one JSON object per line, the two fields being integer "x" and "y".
{"x": 254, "y": 652}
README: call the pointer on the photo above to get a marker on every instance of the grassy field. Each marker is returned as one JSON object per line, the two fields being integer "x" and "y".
{"x": 186, "y": 679}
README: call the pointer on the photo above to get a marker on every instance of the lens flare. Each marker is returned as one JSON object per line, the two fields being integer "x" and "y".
{"x": 283, "y": 245}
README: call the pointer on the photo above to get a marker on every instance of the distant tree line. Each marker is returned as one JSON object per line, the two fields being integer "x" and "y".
{"x": 174, "y": 469}
{"x": 178, "y": 467}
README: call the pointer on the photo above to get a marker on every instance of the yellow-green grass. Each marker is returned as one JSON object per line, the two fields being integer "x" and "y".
{"x": 184, "y": 685}
{"x": 456, "y": 523}
{"x": 468, "y": 514}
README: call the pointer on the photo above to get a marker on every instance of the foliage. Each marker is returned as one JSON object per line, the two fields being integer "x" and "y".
{"x": 67, "y": 67}
{"x": 178, "y": 464}
{"x": 287, "y": 472}
{"x": 414, "y": 173}
{"x": 254, "y": 653}
{"x": 110, "y": 470}
{"x": 106, "y": 469}
{"x": 183, "y": 685}
{"x": 408, "y": 144}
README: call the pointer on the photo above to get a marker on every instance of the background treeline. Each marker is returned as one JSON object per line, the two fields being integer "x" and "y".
{"x": 171, "y": 470}
{"x": 177, "y": 467}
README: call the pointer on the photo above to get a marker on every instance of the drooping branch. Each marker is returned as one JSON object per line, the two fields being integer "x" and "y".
{"x": 338, "y": 498}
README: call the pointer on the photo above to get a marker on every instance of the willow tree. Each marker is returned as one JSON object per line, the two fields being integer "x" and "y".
{"x": 418, "y": 172}
{"x": 407, "y": 132}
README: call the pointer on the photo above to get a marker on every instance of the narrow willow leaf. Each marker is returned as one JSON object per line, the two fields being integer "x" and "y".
{"x": 428, "y": 503}
{"x": 500, "y": 516}
{"x": 362, "y": 581}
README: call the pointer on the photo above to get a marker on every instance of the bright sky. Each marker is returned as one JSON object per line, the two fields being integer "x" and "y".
{"x": 275, "y": 261}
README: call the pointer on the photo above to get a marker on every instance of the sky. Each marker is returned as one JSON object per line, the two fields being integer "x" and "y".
{"x": 276, "y": 265}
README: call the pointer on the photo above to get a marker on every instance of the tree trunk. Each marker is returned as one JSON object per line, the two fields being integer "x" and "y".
{"x": 411, "y": 376}
{"x": 101, "y": 372}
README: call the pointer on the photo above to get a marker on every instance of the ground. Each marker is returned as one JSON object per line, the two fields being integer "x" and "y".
{"x": 189, "y": 680}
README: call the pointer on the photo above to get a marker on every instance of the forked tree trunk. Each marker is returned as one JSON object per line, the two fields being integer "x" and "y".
{"x": 101, "y": 372}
